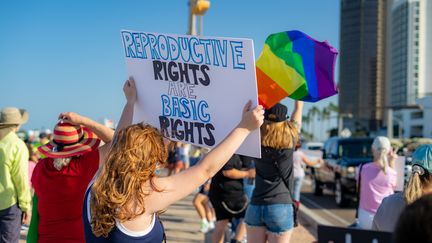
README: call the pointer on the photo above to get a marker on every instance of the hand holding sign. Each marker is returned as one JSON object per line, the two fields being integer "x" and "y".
{"x": 252, "y": 118}
{"x": 129, "y": 90}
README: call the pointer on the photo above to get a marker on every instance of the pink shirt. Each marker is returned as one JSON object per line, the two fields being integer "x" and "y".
{"x": 298, "y": 164}
{"x": 31, "y": 167}
{"x": 375, "y": 186}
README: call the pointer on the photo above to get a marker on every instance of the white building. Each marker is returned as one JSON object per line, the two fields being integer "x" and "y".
{"x": 410, "y": 47}
{"x": 415, "y": 123}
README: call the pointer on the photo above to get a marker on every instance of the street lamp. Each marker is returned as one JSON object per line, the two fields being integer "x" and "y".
{"x": 197, "y": 8}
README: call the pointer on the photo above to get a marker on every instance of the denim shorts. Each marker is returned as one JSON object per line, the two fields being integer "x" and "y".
{"x": 276, "y": 218}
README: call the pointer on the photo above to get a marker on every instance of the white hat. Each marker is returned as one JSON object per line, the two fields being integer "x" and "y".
{"x": 381, "y": 143}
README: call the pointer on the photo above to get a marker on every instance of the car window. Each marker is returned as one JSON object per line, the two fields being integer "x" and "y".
{"x": 333, "y": 149}
{"x": 327, "y": 147}
{"x": 314, "y": 147}
{"x": 355, "y": 149}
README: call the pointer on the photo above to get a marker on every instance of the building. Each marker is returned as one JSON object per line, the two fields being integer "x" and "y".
{"x": 362, "y": 74}
{"x": 415, "y": 122}
{"x": 411, "y": 52}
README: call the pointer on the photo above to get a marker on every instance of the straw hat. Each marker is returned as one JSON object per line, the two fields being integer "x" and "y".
{"x": 69, "y": 140}
{"x": 13, "y": 116}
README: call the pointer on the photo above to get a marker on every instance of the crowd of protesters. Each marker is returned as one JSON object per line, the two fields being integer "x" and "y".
{"x": 84, "y": 182}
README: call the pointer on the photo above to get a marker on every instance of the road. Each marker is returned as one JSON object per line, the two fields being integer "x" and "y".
{"x": 323, "y": 209}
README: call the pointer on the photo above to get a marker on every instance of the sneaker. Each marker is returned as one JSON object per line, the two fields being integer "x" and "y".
{"x": 24, "y": 227}
{"x": 204, "y": 228}
{"x": 211, "y": 225}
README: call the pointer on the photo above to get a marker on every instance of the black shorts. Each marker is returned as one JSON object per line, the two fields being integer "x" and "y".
{"x": 228, "y": 209}
{"x": 202, "y": 191}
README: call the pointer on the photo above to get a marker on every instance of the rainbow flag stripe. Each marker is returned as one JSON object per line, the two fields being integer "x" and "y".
{"x": 294, "y": 65}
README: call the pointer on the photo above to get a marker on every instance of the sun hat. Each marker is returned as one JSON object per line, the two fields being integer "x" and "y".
{"x": 13, "y": 116}
{"x": 69, "y": 140}
{"x": 276, "y": 113}
{"x": 422, "y": 157}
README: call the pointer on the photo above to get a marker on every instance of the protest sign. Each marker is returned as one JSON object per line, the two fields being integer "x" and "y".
{"x": 400, "y": 170}
{"x": 192, "y": 88}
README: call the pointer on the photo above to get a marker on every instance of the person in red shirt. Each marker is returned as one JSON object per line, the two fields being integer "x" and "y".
{"x": 61, "y": 179}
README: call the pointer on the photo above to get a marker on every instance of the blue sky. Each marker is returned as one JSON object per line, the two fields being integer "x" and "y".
{"x": 67, "y": 55}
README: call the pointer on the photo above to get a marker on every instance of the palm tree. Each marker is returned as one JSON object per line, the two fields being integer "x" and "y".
{"x": 325, "y": 116}
{"x": 332, "y": 108}
{"x": 306, "y": 121}
{"x": 313, "y": 113}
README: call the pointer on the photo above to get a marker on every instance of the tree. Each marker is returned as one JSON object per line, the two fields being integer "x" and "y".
{"x": 325, "y": 116}
{"x": 313, "y": 113}
{"x": 333, "y": 108}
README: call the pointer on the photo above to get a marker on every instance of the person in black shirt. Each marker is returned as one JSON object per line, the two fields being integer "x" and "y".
{"x": 228, "y": 197}
{"x": 175, "y": 163}
{"x": 270, "y": 215}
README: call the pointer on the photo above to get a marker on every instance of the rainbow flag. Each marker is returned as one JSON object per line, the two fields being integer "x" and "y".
{"x": 294, "y": 65}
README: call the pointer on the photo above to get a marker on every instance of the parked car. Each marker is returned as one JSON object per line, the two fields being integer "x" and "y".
{"x": 312, "y": 146}
{"x": 341, "y": 157}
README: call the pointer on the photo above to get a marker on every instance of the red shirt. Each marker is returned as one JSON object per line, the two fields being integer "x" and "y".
{"x": 60, "y": 195}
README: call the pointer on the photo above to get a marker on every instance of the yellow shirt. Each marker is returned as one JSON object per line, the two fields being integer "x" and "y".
{"x": 14, "y": 183}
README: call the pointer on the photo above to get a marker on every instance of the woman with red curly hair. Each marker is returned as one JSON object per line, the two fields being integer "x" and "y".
{"x": 123, "y": 202}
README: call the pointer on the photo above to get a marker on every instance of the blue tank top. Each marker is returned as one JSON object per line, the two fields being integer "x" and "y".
{"x": 156, "y": 233}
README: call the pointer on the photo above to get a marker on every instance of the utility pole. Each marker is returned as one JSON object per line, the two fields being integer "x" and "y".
{"x": 390, "y": 123}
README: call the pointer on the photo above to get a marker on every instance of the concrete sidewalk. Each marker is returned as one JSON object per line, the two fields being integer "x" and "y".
{"x": 181, "y": 224}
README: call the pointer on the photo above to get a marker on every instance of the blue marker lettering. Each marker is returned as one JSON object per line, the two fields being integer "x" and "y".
{"x": 203, "y": 116}
{"x": 173, "y": 48}
{"x": 206, "y": 43}
{"x": 166, "y": 109}
{"x": 185, "y": 112}
{"x": 197, "y": 58}
{"x": 184, "y": 49}
{"x": 163, "y": 47}
{"x": 138, "y": 46}
{"x": 128, "y": 43}
{"x": 153, "y": 44}
{"x": 175, "y": 107}
{"x": 144, "y": 42}
{"x": 237, "y": 53}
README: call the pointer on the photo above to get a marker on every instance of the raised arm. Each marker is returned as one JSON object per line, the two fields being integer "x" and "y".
{"x": 296, "y": 115}
{"x": 239, "y": 174}
{"x": 130, "y": 93}
{"x": 309, "y": 162}
{"x": 180, "y": 185}
{"x": 103, "y": 132}
{"x": 391, "y": 157}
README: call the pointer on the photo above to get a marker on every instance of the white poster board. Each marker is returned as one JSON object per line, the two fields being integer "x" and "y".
{"x": 400, "y": 170}
{"x": 192, "y": 88}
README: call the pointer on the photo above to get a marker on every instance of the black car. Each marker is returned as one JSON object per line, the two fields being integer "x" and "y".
{"x": 341, "y": 157}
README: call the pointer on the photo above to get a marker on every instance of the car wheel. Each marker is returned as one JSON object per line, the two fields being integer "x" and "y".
{"x": 316, "y": 186}
{"x": 340, "y": 196}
